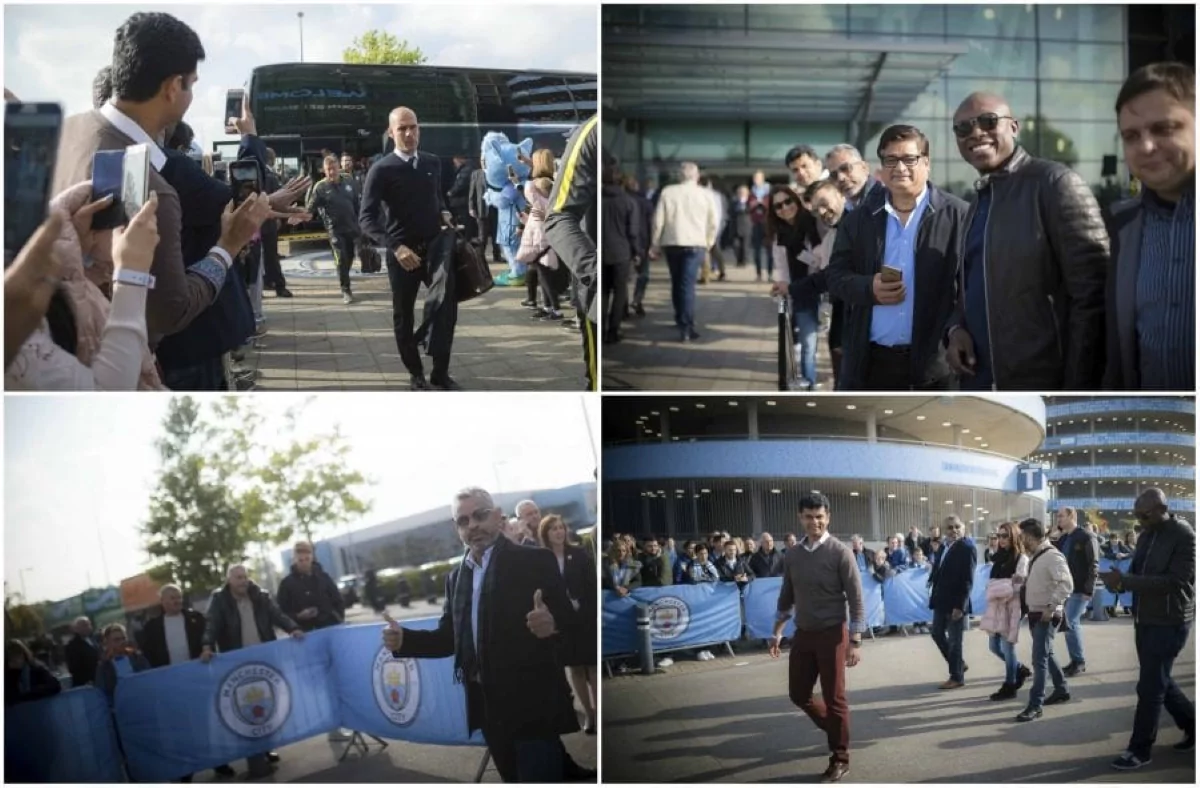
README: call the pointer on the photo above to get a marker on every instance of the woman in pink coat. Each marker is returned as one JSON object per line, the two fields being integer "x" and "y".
{"x": 1002, "y": 618}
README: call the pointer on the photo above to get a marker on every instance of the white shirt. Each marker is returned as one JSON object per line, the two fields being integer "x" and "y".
{"x": 478, "y": 573}
{"x": 407, "y": 157}
{"x": 129, "y": 127}
{"x": 812, "y": 547}
{"x": 177, "y": 642}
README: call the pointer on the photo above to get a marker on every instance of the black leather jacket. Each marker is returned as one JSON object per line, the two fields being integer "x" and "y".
{"x": 1045, "y": 262}
{"x": 1162, "y": 576}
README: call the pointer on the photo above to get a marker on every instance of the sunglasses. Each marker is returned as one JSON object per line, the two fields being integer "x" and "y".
{"x": 784, "y": 203}
{"x": 988, "y": 121}
{"x": 845, "y": 168}
{"x": 479, "y": 516}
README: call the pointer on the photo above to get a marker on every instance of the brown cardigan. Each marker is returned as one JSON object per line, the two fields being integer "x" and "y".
{"x": 178, "y": 296}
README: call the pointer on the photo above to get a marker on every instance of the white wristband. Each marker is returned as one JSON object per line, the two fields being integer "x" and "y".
{"x": 221, "y": 256}
{"x": 126, "y": 276}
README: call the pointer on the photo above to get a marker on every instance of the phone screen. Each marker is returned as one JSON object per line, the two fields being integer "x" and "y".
{"x": 31, "y": 147}
{"x": 891, "y": 274}
{"x": 108, "y": 175}
{"x": 136, "y": 188}
{"x": 233, "y": 108}
{"x": 243, "y": 179}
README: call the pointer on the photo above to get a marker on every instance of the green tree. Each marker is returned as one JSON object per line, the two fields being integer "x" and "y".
{"x": 1042, "y": 139}
{"x": 195, "y": 528}
{"x": 378, "y": 47}
{"x": 23, "y": 621}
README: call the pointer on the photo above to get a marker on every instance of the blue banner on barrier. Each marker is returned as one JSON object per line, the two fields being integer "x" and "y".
{"x": 906, "y": 599}
{"x": 872, "y": 599}
{"x": 411, "y": 699}
{"x": 618, "y": 625}
{"x": 692, "y": 615}
{"x": 186, "y": 718}
{"x": 68, "y": 738}
{"x": 761, "y": 599}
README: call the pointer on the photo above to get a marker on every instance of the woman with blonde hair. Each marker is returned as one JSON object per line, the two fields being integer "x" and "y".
{"x": 578, "y": 649}
{"x": 1002, "y": 618}
{"x": 535, "y": 250}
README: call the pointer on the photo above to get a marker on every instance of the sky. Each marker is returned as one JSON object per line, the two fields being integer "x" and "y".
{"x": 52, "y": 52}
{"x": 79, "y": 470}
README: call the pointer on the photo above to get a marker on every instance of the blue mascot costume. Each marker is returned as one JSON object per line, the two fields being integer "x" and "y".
{"x": 497, "y": 154}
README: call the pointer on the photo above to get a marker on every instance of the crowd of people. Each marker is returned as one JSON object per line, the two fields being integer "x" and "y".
{"x": 172, "y": 299}
{"x": 1086, "y": 299}
{"x": 241, "y": 614}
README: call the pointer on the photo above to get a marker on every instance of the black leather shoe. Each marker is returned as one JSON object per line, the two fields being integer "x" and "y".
{"x": 225, "y": 770}
{"x": 444, "y": 384}
{"x": 418, "y": 383}
{"x": 1006, "y": 692}
{"x": 639, "y": 310}
{"x": 1074, "y": 669}
{"x": 1029, "y": 714}
{"x": 283, "y": 292}
{"x": 1058, "y": 696}
{"x": 835, "y": 772}
{"x": 1023, "y": 673}
{"x": 273, "y": 757}
{"x": 1188, "y": 744}
{"x": 529, "y": 303}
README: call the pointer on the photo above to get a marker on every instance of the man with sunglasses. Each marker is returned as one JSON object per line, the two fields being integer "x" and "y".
{"x": 892, "y": 338}
{"x": 1030, "y": 312}
{"x": 1162, "y": 578}
{"x": 500, "y": 622}
{"x": 950, "y": 581}
{"x": 852, "y": 176}
{"x": 1151, "y": 304}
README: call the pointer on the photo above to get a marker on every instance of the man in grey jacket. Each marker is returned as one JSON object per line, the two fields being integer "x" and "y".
{"x": 1162, "y": 578}
{"x": 1046, "y": 589}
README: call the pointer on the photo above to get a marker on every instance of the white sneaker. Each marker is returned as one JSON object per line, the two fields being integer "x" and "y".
{"x": 705, "y": 656}
{"x": 666, "y": 662}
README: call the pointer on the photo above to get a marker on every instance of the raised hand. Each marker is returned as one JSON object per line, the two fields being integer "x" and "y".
{"x": 539, "y": 620}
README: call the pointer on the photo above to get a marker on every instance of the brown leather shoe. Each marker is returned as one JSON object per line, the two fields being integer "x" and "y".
{"x": 836, "y": 771}
{"x": 951, "y": 684}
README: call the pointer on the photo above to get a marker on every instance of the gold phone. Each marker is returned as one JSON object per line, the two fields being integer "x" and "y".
{"x": 890, "y": 274}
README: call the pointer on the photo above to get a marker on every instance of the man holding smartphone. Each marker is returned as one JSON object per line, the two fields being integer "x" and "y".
{"x": 894, "y": 264}
{"x": 403, "y": 211}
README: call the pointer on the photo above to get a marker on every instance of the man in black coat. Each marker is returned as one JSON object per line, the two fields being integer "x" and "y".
{"x": 767, "y": 562}
{"x": 174, "y": 637}
{"x": 950, "y": 599}
{"x": 459, "y": 194}
{"x": 503, "y": 640}
{"x": 83, "y": 653}
{"x": 622, "y": 243}
{"x": 895, "y": 266}
{"x": 308, "y": 594}
{"x": 477, "y": 210}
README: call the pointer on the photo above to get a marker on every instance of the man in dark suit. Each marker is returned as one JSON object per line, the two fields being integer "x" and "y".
{"x": 504, "y": 607}
{"x": 408, "y": 184}
{"x": 477, "y": 209}
{"x": 892, "y": 331}
{"x": 83, "y": 653}
{"x": 950, "y": 599}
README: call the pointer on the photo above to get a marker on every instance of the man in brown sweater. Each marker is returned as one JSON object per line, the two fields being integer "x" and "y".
{"x": 820, "y": 577}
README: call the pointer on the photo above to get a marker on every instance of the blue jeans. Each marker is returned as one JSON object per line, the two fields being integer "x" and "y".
{"x": 643, "y": 279}
{"x": 1157, "y": 648}
{"x": 1074, "y": 609}
{"x": 684, "y": 263}
{"x": 1007, "y": 652}
{"x": 948, "y": 635}
{"x": 758, "y": 240}
{"x": 1043, "y": 661}
{"x": 805, "y": 324}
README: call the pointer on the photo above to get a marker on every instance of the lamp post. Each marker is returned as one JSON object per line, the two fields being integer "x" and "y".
{"x": 300, "y": 16}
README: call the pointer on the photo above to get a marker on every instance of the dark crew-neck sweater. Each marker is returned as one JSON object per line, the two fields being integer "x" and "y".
{"x": 819, "y": 584}
{"x": 411, "y": 196}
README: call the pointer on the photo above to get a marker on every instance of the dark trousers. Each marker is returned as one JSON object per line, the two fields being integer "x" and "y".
{"x": 890, "y": 369}
{"x": 684, "y": 264}
{"x": 1157, "y": 648}
{"x": 758, "y": 240}
{"x": 206, "y": 376}
{"x": 493, "y": 222}
{"x": 587, "y": 330}
{"x": 441, "y": 306}
{"x": 272, "y": 272}
{"x": 948, "y": 635}
{"x": 526, "y": 760}
{"x": 739, "y": 249}
{"x": 532, "y": 278}
{"x": 343, "y": 253}
{"x": 822, "y": 655}
{"x": 614, "y": 288}
{"x": 717, "y": 260}
{"x": 368, "y": 256}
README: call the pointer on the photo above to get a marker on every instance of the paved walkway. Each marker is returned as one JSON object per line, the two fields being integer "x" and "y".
{"x": 737, "y": 350}
{"x": 730, "y": 720}
{"x": 316, "y": 343}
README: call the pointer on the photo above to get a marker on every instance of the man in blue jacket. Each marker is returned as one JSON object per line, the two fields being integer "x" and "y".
{"x": 950, "y": 599}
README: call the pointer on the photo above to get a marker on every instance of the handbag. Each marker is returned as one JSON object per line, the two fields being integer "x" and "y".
{"x": 472, "y": 277}
{"x": 533, "y": 240}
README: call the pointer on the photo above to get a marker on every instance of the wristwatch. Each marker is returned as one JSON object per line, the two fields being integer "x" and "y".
{"x": 856, "y": 642}
{"x": 138, "y": 278}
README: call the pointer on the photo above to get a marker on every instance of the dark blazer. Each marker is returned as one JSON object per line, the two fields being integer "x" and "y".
{"x": 858, "y": 253}
{"x": 42, "y": 684}
{"x": 522, "y": 692}
{"x": 477, "y": 194}
{"x": 579, "y": 573}
{"x": 740, "y": 567}
{"x": 224, "y": 626}
{"x": 106, "y": 673}
{"x": 953, "y": 578}
{"x": 770, "y": 565}
{"x": 154, "y": 638}
{"x": 1123, "y": 220}
{"x": 82, "y": 658}
{"x": 299, "y": 592}
{"x": 458, "y": 197}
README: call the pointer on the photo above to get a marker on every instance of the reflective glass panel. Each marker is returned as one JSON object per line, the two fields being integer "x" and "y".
{"x": 996, "y": 58}
{"x": 1098, "y": 62}
{"x": 995, "y": 21}
{"x": 698, "y": 141}
{"x": 1081, "y": 100}
{"x": 891, "y": 20}
{"x": 801, "y": 18}
{"x": 1082, "y": 22}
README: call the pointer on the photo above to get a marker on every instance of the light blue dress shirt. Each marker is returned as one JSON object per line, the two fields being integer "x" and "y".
{"x": 478, "y": 572}
{"x": 891, "y": 324}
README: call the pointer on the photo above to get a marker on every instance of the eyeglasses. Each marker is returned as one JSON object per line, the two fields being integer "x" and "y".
{"x": 844, "y": 168}
{"x": 909, "y": 162}
{"x": 1003, "y": 536}
{"x": 784, "y": 203}
{"x": 479, "y": 516}
{"x": 988, "y": 121}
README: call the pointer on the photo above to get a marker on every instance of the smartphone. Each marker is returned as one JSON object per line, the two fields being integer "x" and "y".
{"x": 31, "y": 134}
{"x": 221, "y": 171}
{"x": 891, "y": 274}
{"x": 233, "y": 108}
{"x": 108, "y": 176}
{"x": 135, "y": 189}
{"x": 244, "y": 180}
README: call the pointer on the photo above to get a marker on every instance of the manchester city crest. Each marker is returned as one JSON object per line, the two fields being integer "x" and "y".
{"x": 669, "y": 617}
{"x": 397, "y": 684}
{"x": 254, "y": 700}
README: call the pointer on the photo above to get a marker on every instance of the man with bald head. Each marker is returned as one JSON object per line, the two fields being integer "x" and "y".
{"x": 1162, "y": 578}
{"x": 1030, "y": 312}
{"x": 404, "y": 212}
